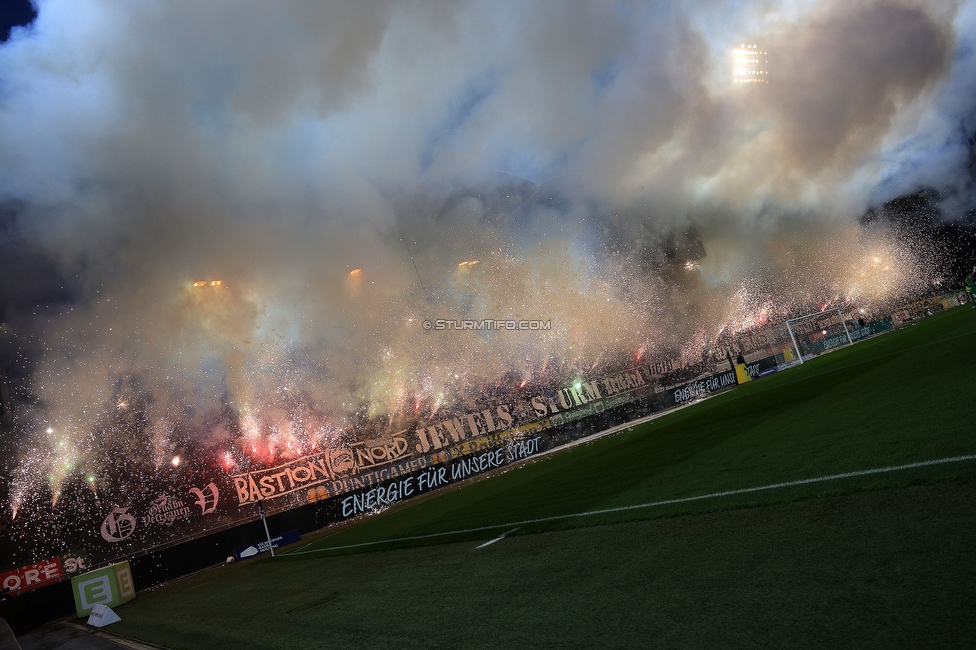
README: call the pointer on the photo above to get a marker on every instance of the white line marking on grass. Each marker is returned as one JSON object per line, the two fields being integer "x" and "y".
{"x": 531, "y": 459}
{"x": 590, "y": 513}
{"x": 498, "y": 539}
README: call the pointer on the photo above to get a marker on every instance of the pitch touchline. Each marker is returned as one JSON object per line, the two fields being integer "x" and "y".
{"x": 713, "y": 495}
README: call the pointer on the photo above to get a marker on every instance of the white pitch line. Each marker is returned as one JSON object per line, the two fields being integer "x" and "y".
{"x": 530, "y": 459}
{"x": 497, "y": 539}
{"x": 713, "y": 495}
{"x": 491, "y": 541}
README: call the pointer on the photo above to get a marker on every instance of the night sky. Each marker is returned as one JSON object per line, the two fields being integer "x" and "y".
{"x": 14, "y": 13}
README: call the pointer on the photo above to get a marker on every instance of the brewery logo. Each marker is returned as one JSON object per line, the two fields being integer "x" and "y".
{"x": 206, "y": 498}
{"x": 165, "y": 510}
{"x": 118, "y": 525}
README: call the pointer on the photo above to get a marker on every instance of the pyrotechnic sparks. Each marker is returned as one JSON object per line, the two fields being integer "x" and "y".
{"x": 669, "y": 213}
{"x": 277, "y": 408}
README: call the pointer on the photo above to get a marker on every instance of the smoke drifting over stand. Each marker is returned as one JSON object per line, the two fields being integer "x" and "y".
{"x": 333, "y": 165}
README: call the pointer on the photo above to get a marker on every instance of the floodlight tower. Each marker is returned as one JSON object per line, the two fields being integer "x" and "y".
{"x": 750, "y": 64}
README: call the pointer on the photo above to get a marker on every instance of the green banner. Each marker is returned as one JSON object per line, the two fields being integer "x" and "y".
{"x": 109, "y": 586}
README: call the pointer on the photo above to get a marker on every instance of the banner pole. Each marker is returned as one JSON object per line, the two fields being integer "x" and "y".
{"x": 265, "y": 522}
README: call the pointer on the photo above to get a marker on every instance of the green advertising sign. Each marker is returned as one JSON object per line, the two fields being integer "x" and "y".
{"x": 109, "y": 586}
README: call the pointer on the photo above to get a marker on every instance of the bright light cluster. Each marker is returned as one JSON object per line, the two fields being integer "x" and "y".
{"x": 750, "y": 64}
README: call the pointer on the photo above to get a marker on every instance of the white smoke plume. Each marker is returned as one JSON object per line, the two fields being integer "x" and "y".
{"x": 332, "y": 164}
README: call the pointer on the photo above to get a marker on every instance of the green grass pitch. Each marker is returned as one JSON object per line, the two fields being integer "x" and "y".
{"x": 872, "y": 560}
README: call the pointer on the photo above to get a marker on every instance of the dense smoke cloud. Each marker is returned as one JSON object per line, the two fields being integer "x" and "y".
{"x": 278, "y": 147}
